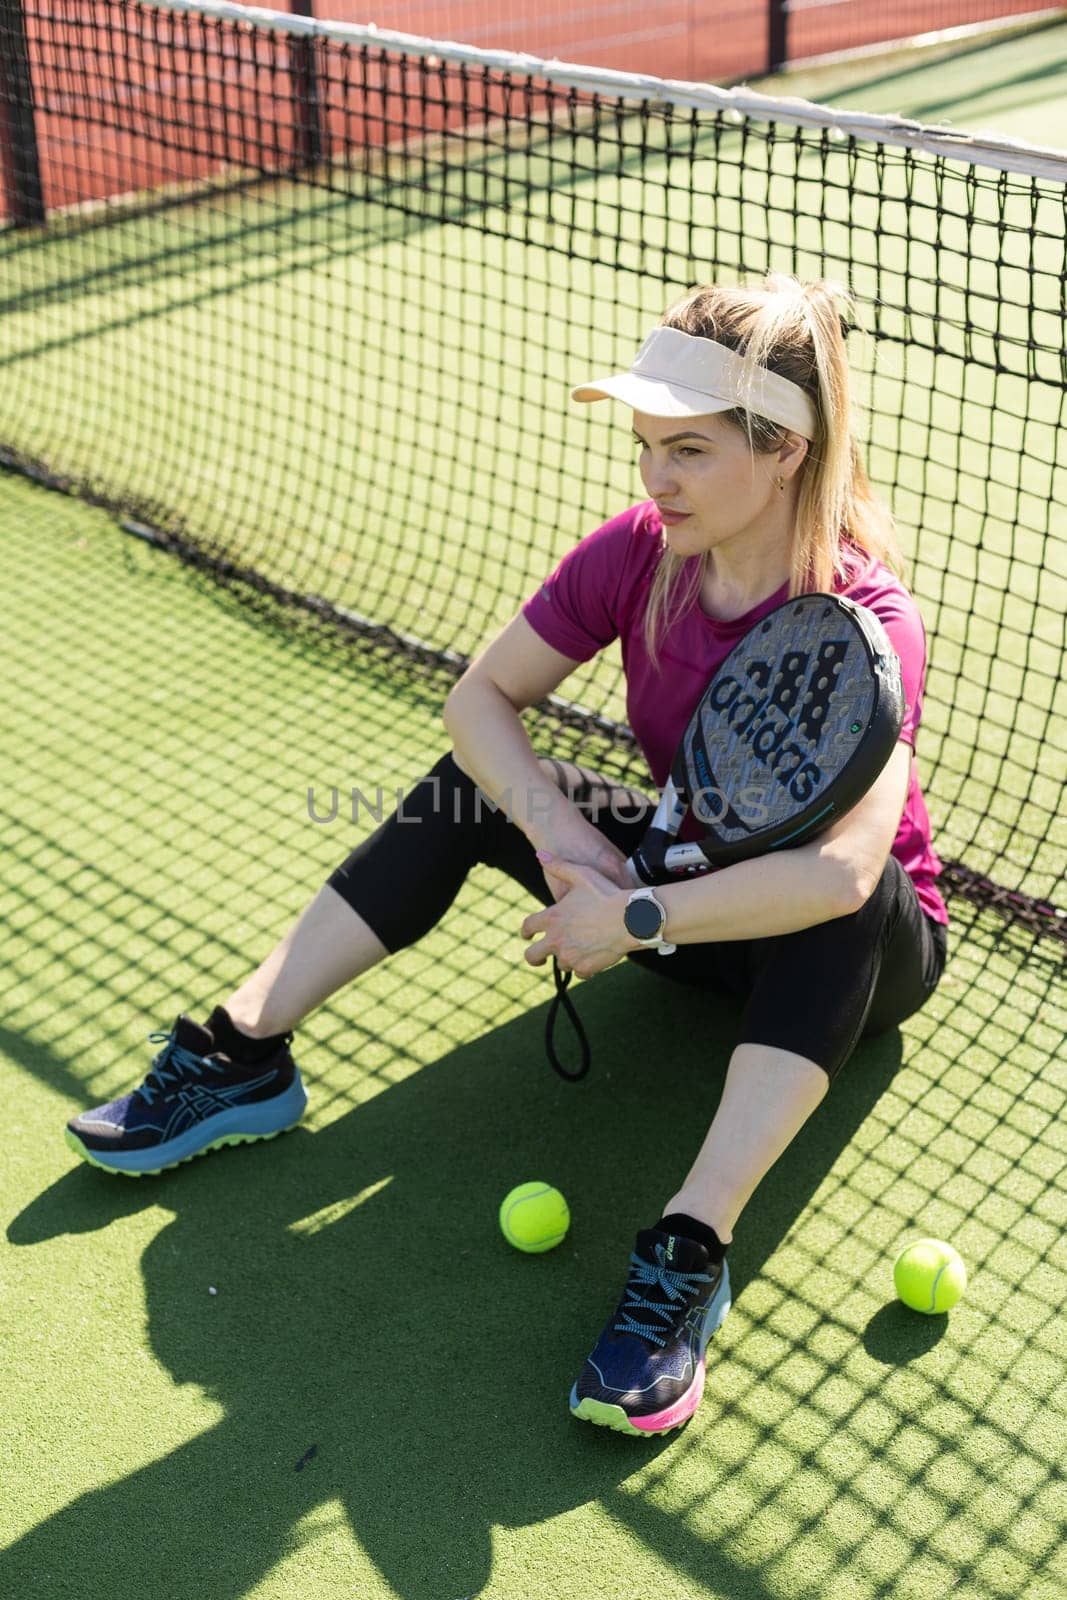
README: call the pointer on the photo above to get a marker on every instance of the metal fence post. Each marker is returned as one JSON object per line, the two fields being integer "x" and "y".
{"x": 20, "y": 166}
{"x": 309, "y": 131}
{"x": 777, "y": 35}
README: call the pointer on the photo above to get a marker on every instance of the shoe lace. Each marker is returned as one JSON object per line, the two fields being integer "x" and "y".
{"x": 672, "y": 1290}
{"x": 173, "y": 1063}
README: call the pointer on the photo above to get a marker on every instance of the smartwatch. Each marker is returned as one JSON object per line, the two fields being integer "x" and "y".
{"x": 645, "y": 918}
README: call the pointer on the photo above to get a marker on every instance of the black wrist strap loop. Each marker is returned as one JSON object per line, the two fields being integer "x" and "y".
{"x": 561, "y": 997}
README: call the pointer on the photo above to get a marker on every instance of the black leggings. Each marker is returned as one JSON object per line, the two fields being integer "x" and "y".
{"x": 815, "y": 992}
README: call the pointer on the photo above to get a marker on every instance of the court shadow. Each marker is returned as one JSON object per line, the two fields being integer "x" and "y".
{"x": 372, "y": 1339}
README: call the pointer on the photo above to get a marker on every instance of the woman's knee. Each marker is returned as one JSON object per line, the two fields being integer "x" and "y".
{"x": 403, "y": 877}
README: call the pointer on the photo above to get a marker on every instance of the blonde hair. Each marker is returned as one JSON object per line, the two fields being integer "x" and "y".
{"x": 795, "y": 329}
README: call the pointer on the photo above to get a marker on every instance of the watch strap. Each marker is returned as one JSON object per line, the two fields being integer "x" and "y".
{"x": 661, "y": 946}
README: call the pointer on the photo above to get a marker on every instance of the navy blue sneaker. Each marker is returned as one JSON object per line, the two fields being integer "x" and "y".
{"x": 194, "y": 1099}
{"x": 646, "y": 1372}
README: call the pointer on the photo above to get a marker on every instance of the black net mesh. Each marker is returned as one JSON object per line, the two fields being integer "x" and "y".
{"x": 307, "y": 310}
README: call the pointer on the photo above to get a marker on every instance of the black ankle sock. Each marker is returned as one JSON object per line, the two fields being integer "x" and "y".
{"x": 689, "y": 1228}
{"x": 237, "y": 1045}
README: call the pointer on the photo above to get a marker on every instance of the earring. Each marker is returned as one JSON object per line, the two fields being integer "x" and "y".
{"x": 779, "y": 484}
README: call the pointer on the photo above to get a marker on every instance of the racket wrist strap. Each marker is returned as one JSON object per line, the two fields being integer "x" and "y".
{"x": 562, "y": 998}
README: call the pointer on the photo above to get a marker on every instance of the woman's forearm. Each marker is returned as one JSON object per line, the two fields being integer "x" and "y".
{"x": 760, "y": 899}
{"x": 753, "y": 900}
{"x": 492, "y": 746}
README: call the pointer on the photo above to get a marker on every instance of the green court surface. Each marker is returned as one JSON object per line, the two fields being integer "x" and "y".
{"x": 311, "y": 1368}
{"x": 158, "y": 746}
{"x": 1014, "y": 84}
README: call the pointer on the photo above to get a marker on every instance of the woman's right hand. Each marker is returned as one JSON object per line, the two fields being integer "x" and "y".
{"x": 578, "y": 841}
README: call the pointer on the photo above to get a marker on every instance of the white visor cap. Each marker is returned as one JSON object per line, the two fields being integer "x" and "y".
{"x": 678, "y": 374}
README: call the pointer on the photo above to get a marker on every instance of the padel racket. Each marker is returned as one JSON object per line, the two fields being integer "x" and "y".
{"x": 790, "y": 733}
{"x": 792, "y": 730}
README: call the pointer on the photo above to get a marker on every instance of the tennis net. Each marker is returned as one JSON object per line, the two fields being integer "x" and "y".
{"x": 309, "y": 299}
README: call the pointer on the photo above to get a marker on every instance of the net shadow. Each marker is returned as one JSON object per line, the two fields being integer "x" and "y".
{"x": 361, "y": 1343}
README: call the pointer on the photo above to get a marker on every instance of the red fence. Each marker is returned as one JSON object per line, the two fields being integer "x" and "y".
{"x": 703, "y": 41}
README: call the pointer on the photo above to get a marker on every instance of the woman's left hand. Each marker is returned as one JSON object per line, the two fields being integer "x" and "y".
{"x": 584, "y": 929}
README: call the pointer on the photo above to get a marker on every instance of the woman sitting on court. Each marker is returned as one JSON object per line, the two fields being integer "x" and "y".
{"x": 740, "y": 403}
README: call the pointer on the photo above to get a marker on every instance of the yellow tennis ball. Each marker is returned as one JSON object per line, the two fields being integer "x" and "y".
{"x": 930, "y": 1276}
{"x": 534, "y": 1217}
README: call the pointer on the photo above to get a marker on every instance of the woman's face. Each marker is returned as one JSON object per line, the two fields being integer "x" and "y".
{"x": 710, "y": 488}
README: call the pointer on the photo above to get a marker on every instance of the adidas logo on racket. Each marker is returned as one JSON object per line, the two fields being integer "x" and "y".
{"x": 792, "y": 730}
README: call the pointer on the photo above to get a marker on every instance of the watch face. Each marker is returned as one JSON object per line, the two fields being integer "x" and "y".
{"x": 643, "y": 919}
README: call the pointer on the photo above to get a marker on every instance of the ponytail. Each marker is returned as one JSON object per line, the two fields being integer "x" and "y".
{"x": 798, "y": 330}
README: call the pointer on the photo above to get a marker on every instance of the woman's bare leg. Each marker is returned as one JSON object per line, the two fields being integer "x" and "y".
{"x": 328, "y": 946}
{"x": 768, "y": 1096}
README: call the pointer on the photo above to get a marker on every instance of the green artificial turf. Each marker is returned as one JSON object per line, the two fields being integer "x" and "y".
{"x": 373, "y": 1401}
{"x": 1012, "y": 85}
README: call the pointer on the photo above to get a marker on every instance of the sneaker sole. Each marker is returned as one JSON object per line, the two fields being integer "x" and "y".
{"x": 605, "y": 1415}
{"x": 93, "y": 1157}
{"x": 277, "y": 1116}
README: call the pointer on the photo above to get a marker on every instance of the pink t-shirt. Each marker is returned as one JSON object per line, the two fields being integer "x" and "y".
{"x": 599, "y": 593}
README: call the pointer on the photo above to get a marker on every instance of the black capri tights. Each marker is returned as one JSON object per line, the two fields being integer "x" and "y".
{"x": 816, "y": 992}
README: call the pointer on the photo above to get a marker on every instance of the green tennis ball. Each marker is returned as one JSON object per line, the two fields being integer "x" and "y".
{"x": 930, "y": 1276}
{"x": 534, "y": 1217}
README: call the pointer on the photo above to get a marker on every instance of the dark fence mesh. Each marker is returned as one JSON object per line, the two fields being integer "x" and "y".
{"x": 307, "y": 310}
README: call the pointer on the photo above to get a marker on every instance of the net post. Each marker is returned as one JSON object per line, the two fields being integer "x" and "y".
{"x": 309, "y": 140}
{"x": 777, "y": 35}
{"x": 20, "y": 166}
